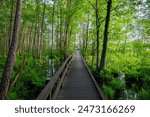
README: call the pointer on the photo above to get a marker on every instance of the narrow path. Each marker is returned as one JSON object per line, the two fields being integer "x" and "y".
{"x": 78, "y": 85}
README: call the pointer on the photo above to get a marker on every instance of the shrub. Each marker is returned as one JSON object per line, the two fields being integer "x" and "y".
{"x": 108, "y": 91}
{"x": 144, "y": 94}
{"x": 116, "y": 84}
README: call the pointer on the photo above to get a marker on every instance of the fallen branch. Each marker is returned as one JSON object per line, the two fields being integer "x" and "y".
{"x": 18, "y": 72}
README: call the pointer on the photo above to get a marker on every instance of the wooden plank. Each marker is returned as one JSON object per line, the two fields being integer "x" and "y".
{"x": 104, "y": 97}
{"x": 78, "y": 84}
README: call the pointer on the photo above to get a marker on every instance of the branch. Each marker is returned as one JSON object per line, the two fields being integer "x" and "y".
{"x": 91, "y": 5}
{"x": 116, "y": 6}
{"x": 18, "y": 72}
{"x": 103, "y": 21}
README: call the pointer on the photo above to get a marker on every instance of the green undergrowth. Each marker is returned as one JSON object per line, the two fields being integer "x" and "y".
{"x": 31, "y": 79}
{"x": 136, "y": 71}
{"x": 33, "y": 76}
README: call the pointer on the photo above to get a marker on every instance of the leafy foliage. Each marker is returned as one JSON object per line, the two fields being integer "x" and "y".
{"x": 109, "y": 91}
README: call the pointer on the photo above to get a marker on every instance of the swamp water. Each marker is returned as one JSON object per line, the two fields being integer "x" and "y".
{"x": 128, "y": 94}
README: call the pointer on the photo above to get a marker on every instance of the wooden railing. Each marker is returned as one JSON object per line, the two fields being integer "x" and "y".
{"x": 102, "y": 95}
{"x": 54, "y": 85}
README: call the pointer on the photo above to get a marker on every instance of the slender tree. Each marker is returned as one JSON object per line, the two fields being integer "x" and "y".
{"x": 11, "y": 22}
{"x": 105, "y": 41}
{"x": 67, "y": 24}
{"x": 11, "y": 54}
{"x": 36, "y": 39}
{"x": 96, "y": 9}
{"x": 87, "y": 34}
{"x": 52, "y": 42}
{"x": 61, "y": 28}
{"x": 97, "y": 33}
{"x": 42, "y": 28}
{"x": 38, "y": 29}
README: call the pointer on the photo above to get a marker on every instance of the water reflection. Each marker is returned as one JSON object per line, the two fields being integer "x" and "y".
{"x": 52, "y": 67}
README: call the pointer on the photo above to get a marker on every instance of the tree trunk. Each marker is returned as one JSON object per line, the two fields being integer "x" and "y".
{"x": 36, "y": 38}
{"x": 31, "y": 38}
{"x": 87, "y": 35}
{"x": 42, "y": 29}
{"x": 21, "y": 36}
{"x": 57, "y": 30}
{"x": 103, "y": 55}
{"x": 93, "y": 53}
{"x": 67, "y": 24}
{"x": 83, "y": 41}
{"x": 61, "y": 30}
{"x": 69, "y": 36}
{"x": 52, "y": 42}
{"x": 38, "y": 30}
{"x": 11, "y": 54}
{"x": 97, "y": 34}
{"x": 11, "y": 23}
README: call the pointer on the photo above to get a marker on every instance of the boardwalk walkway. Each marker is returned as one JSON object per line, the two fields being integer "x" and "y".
{"x": 78, "y": 85}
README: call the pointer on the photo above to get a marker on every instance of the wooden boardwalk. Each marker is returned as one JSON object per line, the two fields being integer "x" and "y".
{"x": 78, "y": 85}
